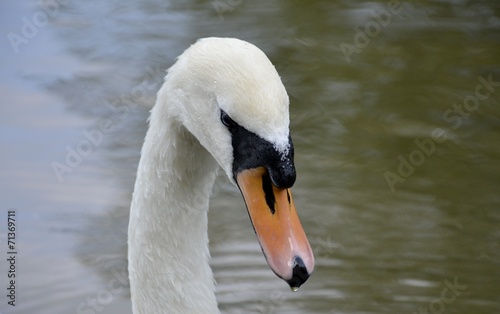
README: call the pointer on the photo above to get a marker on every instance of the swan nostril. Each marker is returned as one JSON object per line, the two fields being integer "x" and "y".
{"x": 299, "y": 275}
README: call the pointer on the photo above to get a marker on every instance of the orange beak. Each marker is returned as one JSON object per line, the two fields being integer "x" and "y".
{"x": 277, "y": 226}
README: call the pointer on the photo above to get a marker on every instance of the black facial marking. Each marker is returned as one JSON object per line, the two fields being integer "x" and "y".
{"x": 268, "y": 192}
{"x": 288, "y": 196}
{"x": 251, "y": 151}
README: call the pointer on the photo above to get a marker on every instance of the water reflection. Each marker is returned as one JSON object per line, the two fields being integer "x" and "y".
{"x": 378, "y": 251}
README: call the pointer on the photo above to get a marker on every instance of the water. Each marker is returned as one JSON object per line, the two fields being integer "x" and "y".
{"x": 397, "y": 151}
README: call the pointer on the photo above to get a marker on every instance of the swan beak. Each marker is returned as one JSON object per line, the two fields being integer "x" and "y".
{"x": 277, "y": 226}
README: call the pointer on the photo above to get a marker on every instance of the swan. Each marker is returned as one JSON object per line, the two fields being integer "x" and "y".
{"x": 222, "y": 106}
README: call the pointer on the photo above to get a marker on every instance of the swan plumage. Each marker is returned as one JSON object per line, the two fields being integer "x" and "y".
{"x": 222, "y": 106}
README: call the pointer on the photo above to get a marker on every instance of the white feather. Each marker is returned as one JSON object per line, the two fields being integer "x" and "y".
{"x": 184, "y": 147}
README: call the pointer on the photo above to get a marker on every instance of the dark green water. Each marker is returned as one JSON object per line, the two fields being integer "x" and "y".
{"x": 395, "y": 117}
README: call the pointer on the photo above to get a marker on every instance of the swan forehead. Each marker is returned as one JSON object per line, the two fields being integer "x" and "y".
{"x": 245, "y": 85}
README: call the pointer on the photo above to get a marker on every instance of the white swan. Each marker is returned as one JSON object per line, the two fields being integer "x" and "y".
{"x": 222, "y": 105}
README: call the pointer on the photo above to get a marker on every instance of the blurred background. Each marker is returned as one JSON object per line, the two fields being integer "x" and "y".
{"x": 395, "y": 117}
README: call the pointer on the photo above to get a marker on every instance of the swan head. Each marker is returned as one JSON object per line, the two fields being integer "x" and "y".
{"x": 228, "y": 94}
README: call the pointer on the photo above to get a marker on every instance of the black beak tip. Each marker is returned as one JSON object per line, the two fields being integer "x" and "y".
{"x": 299, "y": 275}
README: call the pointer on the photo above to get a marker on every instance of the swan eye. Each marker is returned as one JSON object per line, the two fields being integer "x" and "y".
{"x": 226, "y": 119}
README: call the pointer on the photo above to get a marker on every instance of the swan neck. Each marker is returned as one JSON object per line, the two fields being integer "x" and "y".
{"x": 168, "y": 240}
